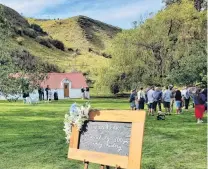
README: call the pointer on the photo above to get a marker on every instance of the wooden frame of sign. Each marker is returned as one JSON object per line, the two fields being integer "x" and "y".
{"x": 133, "y": 161}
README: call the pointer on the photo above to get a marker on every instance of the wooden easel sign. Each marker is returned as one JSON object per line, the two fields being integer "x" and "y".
{"x": 110, "y": 138}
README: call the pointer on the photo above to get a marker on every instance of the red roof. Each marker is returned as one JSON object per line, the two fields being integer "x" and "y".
{"x": 54, "y": 80}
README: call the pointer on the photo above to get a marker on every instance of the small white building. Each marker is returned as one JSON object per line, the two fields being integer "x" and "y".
{"x": 68, "y": 85}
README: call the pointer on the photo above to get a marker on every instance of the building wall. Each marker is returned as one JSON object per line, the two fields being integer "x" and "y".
{"x": 73, "y": 94}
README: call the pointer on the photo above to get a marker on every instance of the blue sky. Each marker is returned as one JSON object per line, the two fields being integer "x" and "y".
{"x": 115, "y": 12}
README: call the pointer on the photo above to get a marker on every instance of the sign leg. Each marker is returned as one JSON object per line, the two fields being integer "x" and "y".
{"x": 107, "y": 167}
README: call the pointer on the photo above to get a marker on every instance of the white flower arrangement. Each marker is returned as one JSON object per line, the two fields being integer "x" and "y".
{"x": 77, "y": 115}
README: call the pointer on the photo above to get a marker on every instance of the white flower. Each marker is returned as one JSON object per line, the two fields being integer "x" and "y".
{"x": 77, "y": 116}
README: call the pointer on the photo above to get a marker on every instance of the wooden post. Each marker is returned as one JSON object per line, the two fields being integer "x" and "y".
{"x": 107, "y": 167}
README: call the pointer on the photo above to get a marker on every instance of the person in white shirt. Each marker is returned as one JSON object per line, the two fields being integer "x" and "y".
{"x": 166, "y": 100}
{"x": 141, "y": 99}
{"x": 150, "y": 99}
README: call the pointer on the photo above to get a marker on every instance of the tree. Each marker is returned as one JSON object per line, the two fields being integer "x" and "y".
{"x": 192, "y": 69}
{"x": 170, "y": 2}
{"x": 15, "y": 69}
{"x": 6, "y": 66}
{"x": 135, "y": 24}
{"x": 157, "y": 51}
{"x": 198, "y": 4}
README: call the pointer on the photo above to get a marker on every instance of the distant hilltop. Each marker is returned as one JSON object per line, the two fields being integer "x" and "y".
{"x": 58, "y": 41}
{"x": 79, "y": 31}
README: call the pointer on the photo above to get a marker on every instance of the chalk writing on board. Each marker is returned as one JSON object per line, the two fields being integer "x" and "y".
{"x": 106, "y": 137}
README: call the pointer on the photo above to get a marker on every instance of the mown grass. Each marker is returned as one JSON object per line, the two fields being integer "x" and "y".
{"x": 32, "y": 137}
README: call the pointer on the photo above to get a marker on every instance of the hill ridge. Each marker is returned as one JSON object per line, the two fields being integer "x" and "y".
{"x": 28, "y": 36}
{"x": 79, "y": 31}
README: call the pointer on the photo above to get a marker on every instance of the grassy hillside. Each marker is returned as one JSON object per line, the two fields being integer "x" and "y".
{"x": 23, "y": 36}
{"x": 64, "y": 60}
{"x": 79, "y": 32}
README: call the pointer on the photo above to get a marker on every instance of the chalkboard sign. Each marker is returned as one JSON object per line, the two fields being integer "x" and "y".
{"x": 106, "y": 137}
{"x": 111, "y": 138}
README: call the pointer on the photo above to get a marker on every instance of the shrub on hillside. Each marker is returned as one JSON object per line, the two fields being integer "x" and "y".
{"x": 30, "y": 32}
{"x": 58, "y": 44}
{"x": 18, "y": 31}
{"x": 24, "y": 60}
{"x": 44, "y": 41}
{"x": 70, "y": 50}
{"x": 106, "y": 55}
{"x": 20, "y": 40}
{"x": 30, "y": 63}
{"x": 78, "y": 51}
{"x": 37, "y": 28}
{"x": 90, "y": 50}
{"x": 49, "y": 67}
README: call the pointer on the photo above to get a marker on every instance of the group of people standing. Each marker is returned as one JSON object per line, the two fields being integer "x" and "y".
{"x": 49, "y": 93}
{"x": 85, "y": 93}
{"x": 155, "y": 96}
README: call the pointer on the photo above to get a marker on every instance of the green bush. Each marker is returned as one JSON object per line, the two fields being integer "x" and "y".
{"x": 18, "y": 31}
{"x": 37, "y": 28}
{"x": 44, "y": 41}
{"x": 58, "y": 44}
{"x": 30, "y": 32}
{"x": 26, "y": 61}
{"x": 20, "y": 40}
{"x": 78, "y": 51}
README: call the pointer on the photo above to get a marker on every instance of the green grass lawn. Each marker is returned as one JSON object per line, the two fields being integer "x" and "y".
{"x": 32, "y": 137}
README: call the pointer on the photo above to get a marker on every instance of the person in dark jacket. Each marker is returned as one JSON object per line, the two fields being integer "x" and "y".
{"x": 55, "y": 94}
{"x": 40, "y": 93}
{"x": 186, "y": 96}
{"x": 205, "y": 93}
{"x": 132, "y": 100}
{"x": 141, "y": 99}
{"x": 157, "y": 95}
{"x": 83, "y": 92}
{"x": 47, "y": 89}
{"x": 25, "y": 96}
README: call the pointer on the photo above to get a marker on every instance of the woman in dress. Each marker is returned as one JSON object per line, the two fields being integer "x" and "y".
{"x": 199, "y": 102}
{"x": 178, "y": 99}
